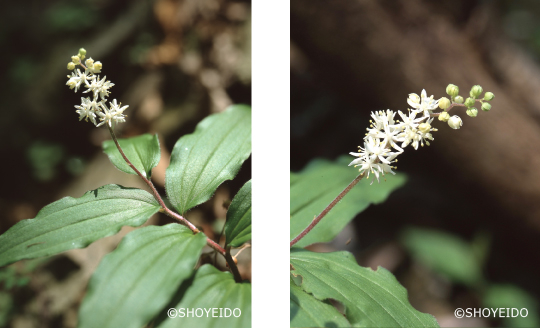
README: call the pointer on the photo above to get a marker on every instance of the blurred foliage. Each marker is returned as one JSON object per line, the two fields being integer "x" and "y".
{"x": 44, "y": 157}
{"x": 510, "y": 296}
{"x": 444, "y": 253}
{"x": 461, "y": 262}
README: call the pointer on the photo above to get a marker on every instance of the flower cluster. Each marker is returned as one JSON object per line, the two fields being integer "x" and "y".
{"x": 387, "y": 135}
{"x": 95, "y": 107}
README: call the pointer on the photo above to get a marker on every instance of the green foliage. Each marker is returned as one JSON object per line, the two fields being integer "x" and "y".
{"x": 318, "y": 184}
{"x": 238, "y": 225}
{"x": 307, "y": 311}
{"x": 212, "y": 288}
{"x": 508, "y": 296}
{"x": 76, "y": 222}
{"x": 44, "y": 158}
{"x": 134, "y": 282}
{"x": 142, "y": 151}
{"x": 445, "y": 253}
{"x": 201, "y": 161}
{"x": 371, "y": 298}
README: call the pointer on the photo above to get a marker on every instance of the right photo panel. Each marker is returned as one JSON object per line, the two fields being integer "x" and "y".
{"x": 415, "y": 142}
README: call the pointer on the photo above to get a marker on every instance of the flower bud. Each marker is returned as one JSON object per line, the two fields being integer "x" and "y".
{"x": 89, "y": 63}
{"x": 458, "y": 99}
{"x": 476, "y": 91}
{"x": 486, "y": 106}
{"x": 71, "y": 66}
{"x": 82, "y": 52}
{"x": 472, "y": 112}
{"x": 424, "y": 127}
{"x": 444, "y": 116}
{"x": 469, "y": 102}
{"x": 97, "y": 67}
{"x": 489, "y": 96}
{"x": 76, "y": 60}
{"x": 455, "y": 122}
{"x": 444, "y": 103}
{"x": 452, "y": 90}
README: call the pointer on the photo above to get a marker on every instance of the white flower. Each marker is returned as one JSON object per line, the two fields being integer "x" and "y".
{"x": 455, "y": 122}
{"x": 77, "y": 79}
{"x": 99, "y": 87}
{"x": 114, "y": 113}
{"x": 86, "y": 111}
{"x": 423, "y": 104}
{"x": 410, "y": 121}
{"x": 388, "y": 136}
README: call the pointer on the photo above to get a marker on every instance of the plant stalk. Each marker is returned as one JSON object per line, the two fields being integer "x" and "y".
{"x": 326, "y": 210}
{"x": 232, "y": 265}
{"x": 164, "y": 207}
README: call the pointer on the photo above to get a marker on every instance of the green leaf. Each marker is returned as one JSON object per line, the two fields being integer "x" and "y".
{"x": 211, "y": 289}
{"x": 203, "y": 160}
{"x": 134, "y": 282}
{"x": 238, "y": 225}
{"x": 445, "y": 254}
{"x": 511, "y": 297}
{"x": 307, "y": 311}
{"x": 77, "y": 222}
{"x": 142, "y": 151}
{"x": 371, "y": 298}
{"x": 318, "y": 184}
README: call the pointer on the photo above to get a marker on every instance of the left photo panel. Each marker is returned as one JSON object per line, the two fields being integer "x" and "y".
{"x": 126, "y": 134}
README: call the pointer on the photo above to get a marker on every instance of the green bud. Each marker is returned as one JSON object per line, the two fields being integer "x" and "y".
{"x": 489, "y": 96}
{"x": 486, "y": 106}
{"x": 444, "y": 103}
{"x": 71, "y": 66}
{"x": 76, "y": 60}
{"x": 469, "y": 102}
{"x": 452, "y": 90}
{"x": 444, "y": 116}
{"x": 476, "y": 91}
{"x": 82, "y": 52}
{"x": 458, "y": 99}
{"x": 472, "y": 112}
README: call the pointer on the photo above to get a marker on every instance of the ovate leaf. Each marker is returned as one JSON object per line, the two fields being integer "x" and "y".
{"x": 318, "y": 184}
{"x": 213, "y": 289}
{"x": 444, "y": 253}
{"x": 76, "y": 222}
{"x": 142, "y": 151}
{"x": 134, "y": 282}
{"x": 203, "y": 160}
{"x": 371, "y": 298}
{"x": 238, "y": 225}
{"x": 307, "y": 311}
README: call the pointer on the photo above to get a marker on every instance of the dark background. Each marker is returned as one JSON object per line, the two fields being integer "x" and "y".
{"x": 173, "y": 62}
{"x": 349, "y": 58}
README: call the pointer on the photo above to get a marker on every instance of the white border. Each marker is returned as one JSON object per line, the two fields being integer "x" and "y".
{"x": 271, "y": 164}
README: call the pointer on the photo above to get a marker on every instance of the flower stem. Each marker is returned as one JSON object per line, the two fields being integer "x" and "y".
{"x": 164, "y": 207}
{"x": 451, "y": 106}
{"x": 326, "y": 210}
{"x": 232, "y": 265}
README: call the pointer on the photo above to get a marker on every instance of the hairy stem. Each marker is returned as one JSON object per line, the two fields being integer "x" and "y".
{"x": 326, "y": 210}
{"x": 164, "y": 207}
{"x": 232, "y": 265}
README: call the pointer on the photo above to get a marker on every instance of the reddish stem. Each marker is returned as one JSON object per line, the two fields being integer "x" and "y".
{"x": 166, "y": 210}
{"x": 326, "y": 210}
